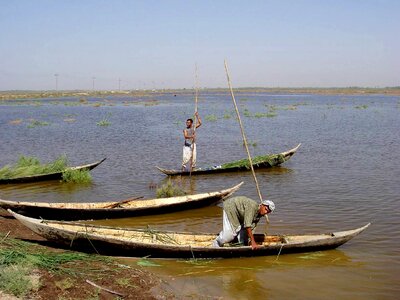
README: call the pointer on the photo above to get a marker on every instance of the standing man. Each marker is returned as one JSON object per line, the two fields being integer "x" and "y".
{"x": 189, "y": 148}
{"x": 240, "y": 218}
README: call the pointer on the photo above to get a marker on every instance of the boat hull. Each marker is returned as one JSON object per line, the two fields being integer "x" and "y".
{"x": 119, "y": 242}
{"x": 216, "y": 170}
{"x": 50, "y": 176}
{"x": 119, "y": 209}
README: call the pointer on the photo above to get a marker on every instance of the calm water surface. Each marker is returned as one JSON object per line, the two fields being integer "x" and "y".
{"x": 345, "y": 174}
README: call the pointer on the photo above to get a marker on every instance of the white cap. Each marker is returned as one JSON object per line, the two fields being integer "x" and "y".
{"x": 270, "y": 204}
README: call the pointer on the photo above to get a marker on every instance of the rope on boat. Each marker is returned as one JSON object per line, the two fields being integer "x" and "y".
{"x": 279, "y": 252}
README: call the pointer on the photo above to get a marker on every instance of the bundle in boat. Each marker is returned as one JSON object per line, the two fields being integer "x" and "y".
{"x": 166, "y": 244}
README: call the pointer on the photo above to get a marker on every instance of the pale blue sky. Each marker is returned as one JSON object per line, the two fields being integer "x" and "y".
{"x": 156, "y": 44}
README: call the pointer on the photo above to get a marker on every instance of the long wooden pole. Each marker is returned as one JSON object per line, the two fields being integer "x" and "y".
{"x": 243, "y": 135}
{"x": 195, "y": 119}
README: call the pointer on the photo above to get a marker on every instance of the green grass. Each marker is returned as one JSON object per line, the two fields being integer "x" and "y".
{"x": 272, "y": 160}
{"x": 14, "y": 279}
{"x": 20, "y": 259}
{"x": 76, "y": 176}
{"x": 105, "y": 121}
{"x": 211, "y": 118}
{"x": 169, "y": 189}
{"x": 36, "y": 123}
{"x": 27, "y": 166}
{"x": 362, "y": 106}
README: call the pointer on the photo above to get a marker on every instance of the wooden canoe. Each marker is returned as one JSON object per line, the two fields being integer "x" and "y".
{"x": 277, "y": 160}
{"x": 117, "y": 209}
{"x": 139, "y": 243}
{"x": 49, "y": 176}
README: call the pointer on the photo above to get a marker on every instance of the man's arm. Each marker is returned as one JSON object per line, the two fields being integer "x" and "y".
{"x": 251, "y": 236}
{"x": 198, "y": 120}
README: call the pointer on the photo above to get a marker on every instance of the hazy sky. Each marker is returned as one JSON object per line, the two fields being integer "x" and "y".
{"x": 156, "y": 44}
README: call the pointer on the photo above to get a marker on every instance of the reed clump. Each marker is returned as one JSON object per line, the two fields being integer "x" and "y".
{"x": 76, "y": 176}
{"x": 169, "y": 189}
{"x": 28, "y": 166}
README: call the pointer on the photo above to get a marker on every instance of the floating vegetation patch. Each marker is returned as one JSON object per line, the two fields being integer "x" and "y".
{"x": 227, "y": 116}
{"x": 211, "y": 118}
{"x": 28, "y": 166}
{"x": 69, "y": 120}
{"x": 105, "y": 121}
{"x": 271, "y": 160}
{"x": 15, "y": 122}
{"x": 362, "y": 106}
{"x": 247, "y": 113}
{"x": 265, "y": 115}
{"x": 76, "y": 176}
{"x": 36, "y": 123}
{"x": 169, "y": 189}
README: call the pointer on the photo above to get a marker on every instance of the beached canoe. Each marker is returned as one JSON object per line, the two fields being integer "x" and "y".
{"x": 153, "y": 243}
{"x": 265, "y": 161}
{"x": 49, "y": 176}
{"x": 117, "y": 209}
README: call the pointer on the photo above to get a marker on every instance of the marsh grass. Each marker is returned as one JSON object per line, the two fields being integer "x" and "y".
{"x": 362, "y": 106}
{"x": 211, "y": 118}
{"x": 169, "y": 189}
{"x": 76, "y": 176}
{"x": 36, "y": 123}
{"x": 105, "y": 121}
{"x": 28, "y": 166}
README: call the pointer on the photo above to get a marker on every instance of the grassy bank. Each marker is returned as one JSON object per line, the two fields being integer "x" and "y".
{"x": 32, "y": 271}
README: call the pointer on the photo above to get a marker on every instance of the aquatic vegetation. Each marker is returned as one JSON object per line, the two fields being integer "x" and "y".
{"x": 15, "y": 122}
{"x": 169, "y": 189}
{"x": 76, "y": 176}
{"x": 105, "y": 121}
{"x": 265, "y": 115}
{"x": 227, "y": 116}
{"x": 27, "y": 166}
{"x": 36, "y": 123}
{"x": 272, "y": 160}
{"x": 247, "y": 113}
{"x": 364, "y": 106}
{"x": 211, "y": 118}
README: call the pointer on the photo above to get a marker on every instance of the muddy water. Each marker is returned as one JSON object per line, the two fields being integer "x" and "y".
{"x": 345, "y": 174}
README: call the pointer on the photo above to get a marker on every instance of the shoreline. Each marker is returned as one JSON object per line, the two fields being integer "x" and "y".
{"x": 21, "y": 94}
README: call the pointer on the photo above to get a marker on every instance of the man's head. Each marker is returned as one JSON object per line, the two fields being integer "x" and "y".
{"x": 189, "y": 123}
{"x": 266, "y": 207}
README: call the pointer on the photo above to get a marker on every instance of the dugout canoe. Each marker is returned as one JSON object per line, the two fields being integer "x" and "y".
{"x": 275, "y": 160}
{"x": 49, "y": 176}
{"x": 163, "y": 244}
{"x": 116, "y": 209}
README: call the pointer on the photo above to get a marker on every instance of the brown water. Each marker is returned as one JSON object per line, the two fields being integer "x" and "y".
{"x": 345, "y": 174}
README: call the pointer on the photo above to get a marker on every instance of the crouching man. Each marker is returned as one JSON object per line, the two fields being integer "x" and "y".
{"x": 240, "y": 218}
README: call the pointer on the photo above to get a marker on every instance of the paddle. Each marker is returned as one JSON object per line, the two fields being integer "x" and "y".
{"x": 119, "y": 203}
{"x": 243, "y": 134}
{"x": 195, "y": 120}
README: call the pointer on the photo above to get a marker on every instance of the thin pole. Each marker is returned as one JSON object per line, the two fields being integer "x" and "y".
{"x": 243, "y": 134}
{"x": 195, "y": 118}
